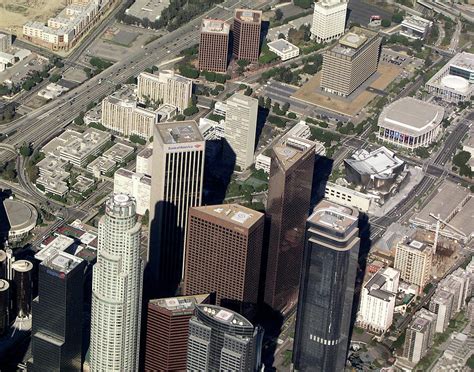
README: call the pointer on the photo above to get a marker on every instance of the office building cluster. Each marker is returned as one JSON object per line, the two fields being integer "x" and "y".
{"x": 216, "y": 36}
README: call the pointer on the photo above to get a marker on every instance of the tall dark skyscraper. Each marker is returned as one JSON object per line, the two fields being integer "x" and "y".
{"x": 57, "y": 314}
{"x": 326, "y": 289}
{"x": 289, "y": 197}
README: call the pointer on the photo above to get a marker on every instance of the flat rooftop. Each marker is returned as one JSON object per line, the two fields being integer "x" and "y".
{"x": 178, "y": 132}
{"x": 464, "y": 219}
{"x": 413, "y": 20}
{"x": 62, "y": 262}
{"x": 224, "y": 315}
{"x": 248, "y": 15}
{"x": 146, "y": 153}
{"x": 215, "y": 26}
{"x": 446, "y": 200}
{"x": 150, "y": 9}
{"x": 118, "y": 151}
{"x": 334, "y": 216}
{"x": 412, "y": 116}
{"x": 415, "y": 244}
{"x": 329, "y": 3}
{"x": 375, "y": 287}
{"x": 290, "y": 150}
{"x": 233, "y": 213}
{"x": 463, "y": 60}
{"x": 180, "y": 303}
{"x": 352, "y": 41}
{"x": 283, "y": 46}
{"x": 380, "y": 162}
{"x": 20, "y": 215}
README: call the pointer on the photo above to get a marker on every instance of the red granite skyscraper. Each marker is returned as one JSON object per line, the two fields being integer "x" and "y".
{"x": 214, "y": 45}
{"x": 246, "y": 32}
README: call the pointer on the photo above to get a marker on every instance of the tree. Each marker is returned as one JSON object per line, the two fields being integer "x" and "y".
{"x": 80, "y": 119}
{"x": 386, "y": 23}
{"x": 278, "y": 14}
{"x": 26, "y": 150}
{"x": 146, "y": 218}
{"x": 54, "y": 78}
{"x": 397, "y": 18}
{"x": 248, "y": 91}
{"x": 461, "y": 158}
{"x": 190, "y": 111}
{"x": 305, "y": 4}
{"x": 243, "y": 63}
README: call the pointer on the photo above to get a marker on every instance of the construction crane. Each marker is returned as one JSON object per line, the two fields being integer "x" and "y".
{"x": 438, "y": 221}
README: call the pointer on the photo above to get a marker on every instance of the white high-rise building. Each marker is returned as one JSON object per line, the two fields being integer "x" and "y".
{"x": 176, "y": 186}
{"x": 117, "y": 284}
{"x": 414, "y": 260}
{"x": 241, "y": 128}
{"x": 329, "y": 20}
{"x": 166, "y": 87}
{"x": 378, "y": 300}
{"x": 136, "y": 184}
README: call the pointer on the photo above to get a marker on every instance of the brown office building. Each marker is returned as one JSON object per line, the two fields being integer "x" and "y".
{"x": 352, "y": 61}
{"x": 167, "y": 332}
{"x": 214, "y": 45}
{"x": 246, "y": 32}
{"x": 289, "y": 196}
{"x": 223, "y": 255}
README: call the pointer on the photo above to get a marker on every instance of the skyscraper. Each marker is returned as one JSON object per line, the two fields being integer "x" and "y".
{"x": 167, "y": 331}
{"x": 4, "y": 307}
{"x": 246, "y": 32}
{"x": 57, "y": 314}
{"x": 22, "y": 272}
{"x": 241, "y": 128}
{"x": 117, "y": 289}
{"x": 329, "y": 20}
{"x": 289, "y": 197}
{"x": 214, "y": 45}
{"x": 225, "y": 241}
{"x": 222, "y": 340}
{"x": 326, "y": 289}
{"x": 177, "y": 177}
{"x": 414, "y": 260}
{"x": 417, "y": 338}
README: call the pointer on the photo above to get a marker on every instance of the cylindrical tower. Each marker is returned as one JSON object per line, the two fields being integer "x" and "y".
{"x": 3, "y": 265}
{"x": 117, "y": 289}
{"x": 22, "y": 271}
{"x": 4, "y": 307}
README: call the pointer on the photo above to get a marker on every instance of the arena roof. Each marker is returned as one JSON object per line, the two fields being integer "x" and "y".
{"x": 411, "y": 116}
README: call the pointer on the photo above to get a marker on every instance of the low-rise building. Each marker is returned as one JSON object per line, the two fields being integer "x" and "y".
{"x": 118, "y": 152}
{"x": 454, "y": 82}
{"x": 137, "y": 185}
{"x": 52, "y": 175}
{"x": 21, "y": 218}
{"x": 147, "y": 10}
{"x": 284, "y": 49}
{"x": 348, "y": 197}
{"x": 263, "y": 162}
{"x": 220, "y": 108}
{"x": 410, "y": 123}
{"x": 210, "y": 129}
{"x": 378, "y": 301}
{"x": 460, "y": 349}
{"x": 300, "y": 130}
{"x": 165, "y": 87}
{"x": 415, "y": 27}
{"x": 101, "y": 165}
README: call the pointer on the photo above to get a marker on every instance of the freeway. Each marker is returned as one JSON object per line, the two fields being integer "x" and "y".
{"x": 40, "y": 126}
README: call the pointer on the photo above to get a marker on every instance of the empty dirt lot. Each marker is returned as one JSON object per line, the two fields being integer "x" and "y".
{"x": 15, "y": 13}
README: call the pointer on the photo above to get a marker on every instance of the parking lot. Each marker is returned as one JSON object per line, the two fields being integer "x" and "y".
{"x": 18, "y": 72}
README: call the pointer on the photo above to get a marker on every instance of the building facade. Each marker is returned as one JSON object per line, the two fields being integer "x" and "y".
{"x": 414, "y": 261}
{"x": 167, "y": 329}
{"x": 241, "y": 128}
{"x": 56, "y": 340}
{"x": 327, "y": 288}
{"x": 329, "y": 20}
{"x": 442, "y": 305}
{"x": 289, "y": 197}
{"x": 377, "y": 302}
{"x": 352, "y": 61}
{"x": 225, "y": 241}
{"x": 117, "y": 284}
{"x": 410, "y": 123}
{"x": 222, "y": 340}
{"x": 417, "y": 339}
{"x": 125, "y": 118}
{"x": 214, "y": 45}
{"x": 246, "y": 31}
{"x": 165, "y": 88}
{"x": 177, "y": 178}
{"x": 137, "y": 185}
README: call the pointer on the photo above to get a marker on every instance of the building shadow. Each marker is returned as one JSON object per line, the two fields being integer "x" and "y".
{"x": 262, "y": 116}
{"x": 322, "y": 170}
{"x": 220, "y": 164}
{"x": 264, "y": 32}
{"x": 4, "y": 222}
